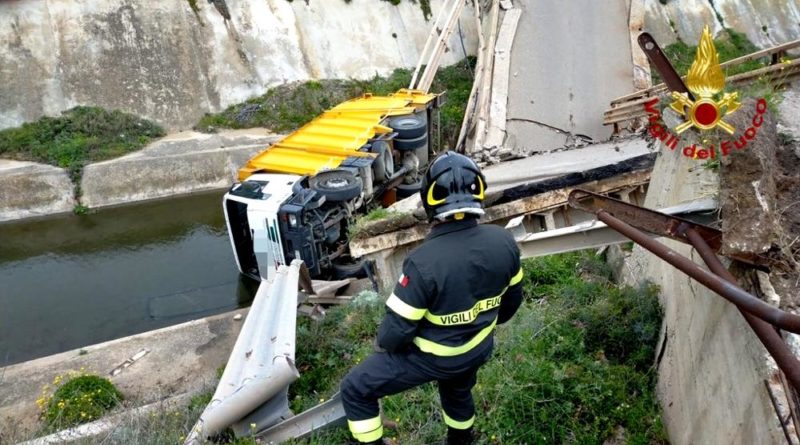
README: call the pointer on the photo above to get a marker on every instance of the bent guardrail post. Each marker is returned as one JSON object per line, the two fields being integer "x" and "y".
{"x": 253, "y": 388}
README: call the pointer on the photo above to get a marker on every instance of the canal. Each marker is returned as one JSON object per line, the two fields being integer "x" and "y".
{"x": 75, "y": 280}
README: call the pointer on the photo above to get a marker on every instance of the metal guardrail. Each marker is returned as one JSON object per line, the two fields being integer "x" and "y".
{"x": 252, "y": 393}
{"x": 631, "y": 106}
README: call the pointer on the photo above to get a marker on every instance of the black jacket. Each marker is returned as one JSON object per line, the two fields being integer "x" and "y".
{"x": 462, "y": 281}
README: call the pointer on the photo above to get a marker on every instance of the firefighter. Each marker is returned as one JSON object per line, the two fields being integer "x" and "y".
{"x": 454, "y": 288}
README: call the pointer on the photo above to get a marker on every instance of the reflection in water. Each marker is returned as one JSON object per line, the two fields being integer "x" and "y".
{"x": 72, "y": 281}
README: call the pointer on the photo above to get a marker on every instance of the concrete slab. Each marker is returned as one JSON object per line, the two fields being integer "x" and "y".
{"x": 29, "y": 189}
{"x": 181, "y": 163}
{"x": 569, "y": 60}
{"x": 181, "y": 359}
{"x": 542, "y": 166}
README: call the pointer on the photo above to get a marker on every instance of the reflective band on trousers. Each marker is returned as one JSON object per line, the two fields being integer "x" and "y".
{"x": 452, "y": 423}
{"x": 469, "y": 315}
{"x": 368, "y": 430}
{"x": 448, "y": 351}
{"x": 404, "y": 309}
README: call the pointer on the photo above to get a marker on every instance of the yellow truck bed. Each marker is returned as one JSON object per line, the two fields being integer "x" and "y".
{"x": 335, "y": 135}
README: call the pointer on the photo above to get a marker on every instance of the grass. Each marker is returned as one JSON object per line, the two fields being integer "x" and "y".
{"x": 288, "y": 107}
{"x": 79, "y": 136}
{"x": 730, "y": 45}
{"x": 362, "y": 222}
{"x": 573, "y": 366}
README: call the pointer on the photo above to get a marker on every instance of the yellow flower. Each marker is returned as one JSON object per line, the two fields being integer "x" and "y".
{"x": 252, "y": 426}
{"x": 181, "y": 438}
{"x": 83, "y": 414}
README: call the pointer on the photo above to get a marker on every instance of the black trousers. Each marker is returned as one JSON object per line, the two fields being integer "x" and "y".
{"x": 384, "y": 373}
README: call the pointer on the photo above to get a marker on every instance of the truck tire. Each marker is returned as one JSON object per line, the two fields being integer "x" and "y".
{"x": 410, "y": 144}
{"x": 383, "y": 166}
{"x": 336, "y": 185}
{"x": 409, "y": 126}
{"x": 406, "y": 190}
{"x": 342, "y": 271}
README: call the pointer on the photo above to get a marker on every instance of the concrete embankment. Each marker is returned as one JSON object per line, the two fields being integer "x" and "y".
{"x": 180, "y": 359}
{"x": 180, "y": 163}
{"x": 28, "y": 189}
{"x": 712, "y": 368}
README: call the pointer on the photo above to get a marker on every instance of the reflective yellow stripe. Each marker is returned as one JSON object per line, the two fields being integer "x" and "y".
{"x": 469, "y": 315}
{"x": 368, "y": 430}
{"x": 452, "y": 423}
{"x": 465, "y": 317}
{"x": 404, "y": 309}
{"x": 449, "y": 351}
{"x": 516, "y": 278}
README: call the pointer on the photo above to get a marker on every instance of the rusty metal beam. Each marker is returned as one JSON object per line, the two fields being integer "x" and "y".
{"x": 771, "y": 340}
{"x": 732, "y": 293}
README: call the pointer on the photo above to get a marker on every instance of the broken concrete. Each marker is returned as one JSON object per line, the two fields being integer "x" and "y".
{"x": 29, "y": 189}
{"x": 748, "y": 189}
{"x": 180, "y": 359}
{"x": 181, "y": 163}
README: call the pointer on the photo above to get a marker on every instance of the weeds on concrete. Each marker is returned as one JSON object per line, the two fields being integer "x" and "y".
{"x": 80, "y": 399}
{"x": 79, "y": 136}
{"x": 288, "y": 107}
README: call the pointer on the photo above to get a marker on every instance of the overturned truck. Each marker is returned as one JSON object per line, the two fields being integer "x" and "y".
{"x": 296, "y": 199}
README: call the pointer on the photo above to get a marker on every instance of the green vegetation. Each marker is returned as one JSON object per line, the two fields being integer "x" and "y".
{"x": 79, "y": 136}
{"x": 730, "y": 45}
{"x": 82, "y": 398}
{"x": 573, "y": 366}
{"x": 285, "y": 108}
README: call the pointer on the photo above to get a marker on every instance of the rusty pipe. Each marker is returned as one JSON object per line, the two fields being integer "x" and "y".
{"x": 784, "y": 358}
{"x": 735, "y": 295}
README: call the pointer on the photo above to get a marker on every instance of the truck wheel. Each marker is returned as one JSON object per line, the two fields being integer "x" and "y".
{"x": 409, "y": 126}
{"x": 383, "y": 166}
{"x": 336, "y": 185}
{"x": 349, "y": 270}
{"x": 406, "y": 190}
{"x": 410, "y": 144}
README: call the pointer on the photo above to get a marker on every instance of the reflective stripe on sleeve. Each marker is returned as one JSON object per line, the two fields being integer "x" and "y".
{"x": 516, "y": 278}
{"x": 368, "y": 430}
{"x": 404, "y": 309}
{"x": 452, "y": 423}
{"x": 448, "y": 351}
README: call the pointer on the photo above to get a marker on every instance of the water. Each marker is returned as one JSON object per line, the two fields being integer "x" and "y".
{"x": 72, "y": 281}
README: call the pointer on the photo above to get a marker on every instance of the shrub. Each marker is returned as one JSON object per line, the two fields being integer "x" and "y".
{"x": 288, "y": 107}
{"x": 79, "y": 136}
{"x": 80, "y": 399}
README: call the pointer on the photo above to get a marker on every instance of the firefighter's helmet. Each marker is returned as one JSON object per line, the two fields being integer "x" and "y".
{"x": 453, "y": 186}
